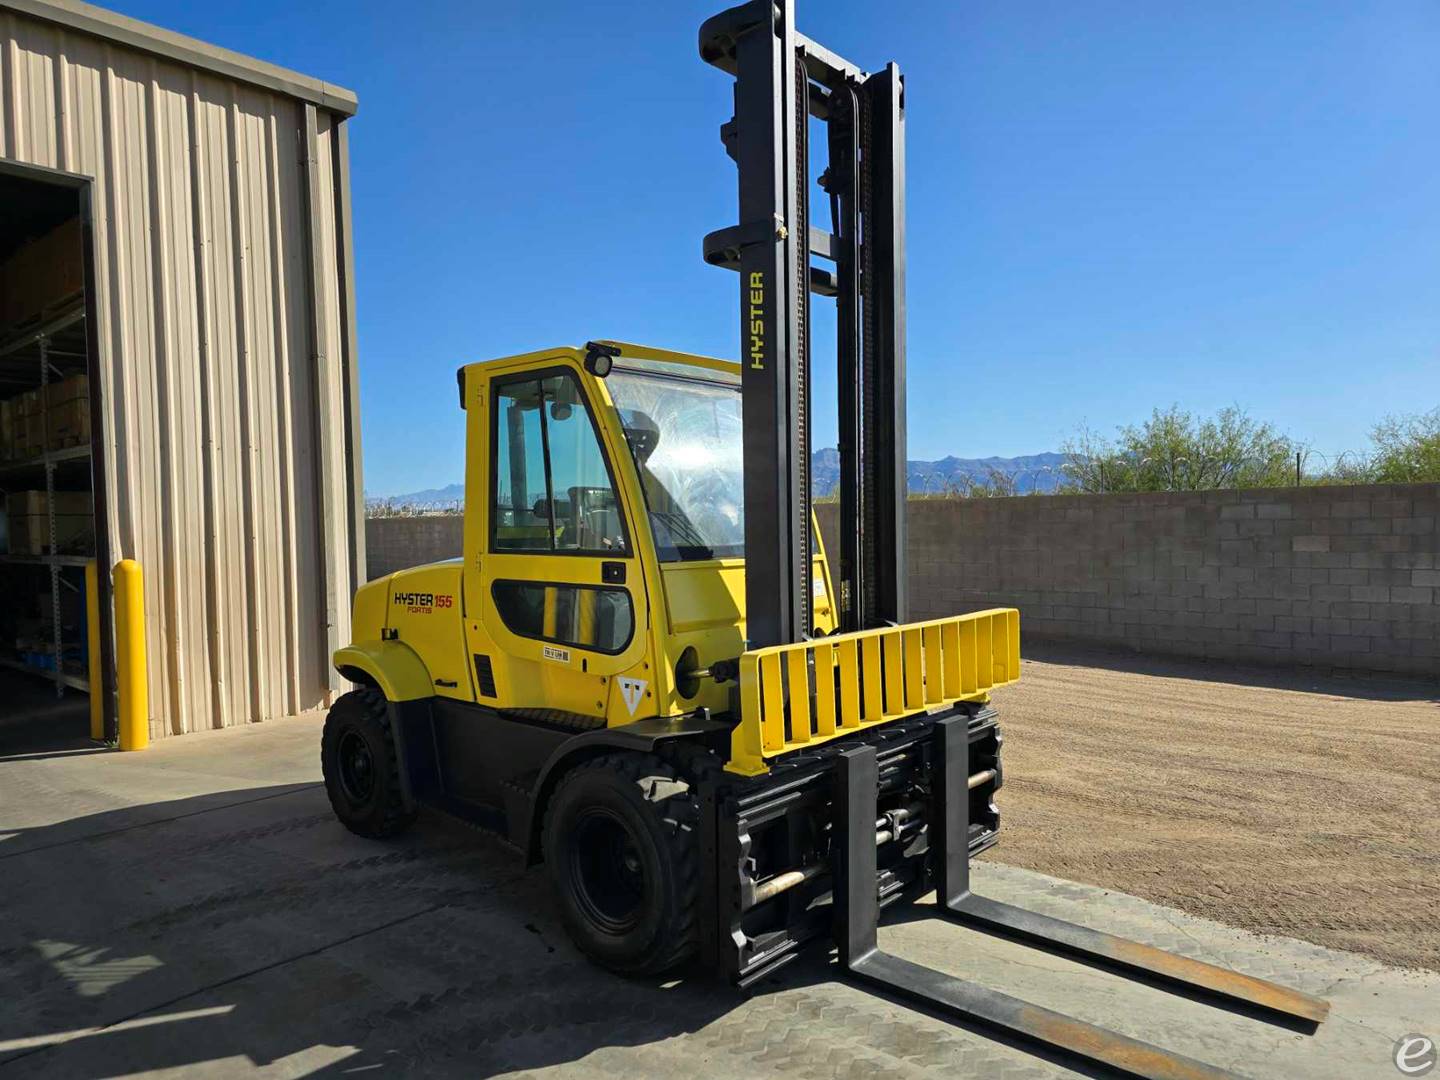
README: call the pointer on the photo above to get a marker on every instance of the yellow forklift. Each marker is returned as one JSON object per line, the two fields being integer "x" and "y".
{"x": 645, "y": 672}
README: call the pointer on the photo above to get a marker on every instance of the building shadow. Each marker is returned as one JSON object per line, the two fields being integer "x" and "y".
{"x": 34, "y": 721}
{"x": 1360, "y": 685}
{"x": 248, "y": 927}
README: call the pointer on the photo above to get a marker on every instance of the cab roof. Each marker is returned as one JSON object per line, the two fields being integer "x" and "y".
{"x": 622, "y": 351}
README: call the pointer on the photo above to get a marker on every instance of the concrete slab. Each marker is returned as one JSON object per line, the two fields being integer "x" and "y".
{"x": 196, "y": 910}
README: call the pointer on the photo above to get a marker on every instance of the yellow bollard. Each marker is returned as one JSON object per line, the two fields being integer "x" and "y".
{"x": 130, "y": 656}
{"x": 92, "y": 633}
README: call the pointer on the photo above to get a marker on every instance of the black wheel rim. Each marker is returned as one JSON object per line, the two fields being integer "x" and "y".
{"x": 357, "y": 767}
{"x": 608, "y": 871}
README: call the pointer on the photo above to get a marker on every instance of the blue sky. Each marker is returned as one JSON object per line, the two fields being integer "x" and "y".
{"x": 1112, "y": 205}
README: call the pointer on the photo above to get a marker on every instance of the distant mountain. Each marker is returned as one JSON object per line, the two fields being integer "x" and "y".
{"x": 1028, "y": 473}
{"x": 446, "y": 498}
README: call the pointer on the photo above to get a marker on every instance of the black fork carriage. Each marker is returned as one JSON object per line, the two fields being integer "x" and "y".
{"x": 818, "y": 849}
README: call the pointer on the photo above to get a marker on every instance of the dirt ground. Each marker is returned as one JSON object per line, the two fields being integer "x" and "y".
{"x": 1283, "y": 803}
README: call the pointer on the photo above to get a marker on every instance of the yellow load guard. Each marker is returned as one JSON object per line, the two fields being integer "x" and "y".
{"x": 801, "y": 695}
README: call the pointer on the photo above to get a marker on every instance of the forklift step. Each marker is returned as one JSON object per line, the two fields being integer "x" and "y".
{"x": 857, "y": 913}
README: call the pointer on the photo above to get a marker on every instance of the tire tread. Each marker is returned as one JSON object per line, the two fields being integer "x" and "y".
{"x": 373, "y": 709}
{"x": 678, "y": 817}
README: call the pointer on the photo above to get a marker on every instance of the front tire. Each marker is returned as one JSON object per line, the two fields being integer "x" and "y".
{"x": 622, "y": 852}
{"x": 361, "y": 767}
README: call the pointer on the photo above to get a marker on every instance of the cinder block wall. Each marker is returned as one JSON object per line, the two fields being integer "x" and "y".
{"x": 1334, "y": 576}
{"x": 1339, "y": 577}
{"x": 394, "y": 543}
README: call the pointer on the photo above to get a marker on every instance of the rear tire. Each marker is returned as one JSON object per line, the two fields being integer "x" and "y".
{"x": 622, "y": 852}
{"x": 361, "y": 767}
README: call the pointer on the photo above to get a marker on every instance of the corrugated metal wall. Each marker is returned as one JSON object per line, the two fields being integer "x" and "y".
{"x": 223, "y": 381}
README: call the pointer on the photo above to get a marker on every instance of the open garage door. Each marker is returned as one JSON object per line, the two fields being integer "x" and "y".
{"x": 51, "y": 637}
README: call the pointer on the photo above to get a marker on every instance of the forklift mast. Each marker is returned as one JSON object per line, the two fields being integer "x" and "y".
{"x": 782, "y": 80}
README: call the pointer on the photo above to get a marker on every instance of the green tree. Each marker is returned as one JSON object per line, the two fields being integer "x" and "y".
{"x": 1176, "y": 451}
{"x": 1407, "y": 449}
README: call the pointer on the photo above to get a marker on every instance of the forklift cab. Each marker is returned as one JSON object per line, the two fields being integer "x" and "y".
{"x": 604, "y": 541}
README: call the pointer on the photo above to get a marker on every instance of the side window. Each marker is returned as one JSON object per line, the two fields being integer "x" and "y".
{"x": 518, "y": 508}
{"x": 591, "y": 618}
{"x": 552, "y": 490}
{"x": 587, "y": 514}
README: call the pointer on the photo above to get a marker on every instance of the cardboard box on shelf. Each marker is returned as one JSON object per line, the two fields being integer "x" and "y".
{"x": 41, "y": 274}
{"x": 34, "y": 503}
{"x": 30, "y": 534}
{"x": 35, "y": 432}
{"x": 69, "y": 423}
{"x": 59, "y": 413}
{"x": 28, "y": 420}
{"x": 67, "y": 389}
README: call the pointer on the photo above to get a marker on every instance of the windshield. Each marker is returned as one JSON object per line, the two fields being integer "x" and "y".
{"x": 684, "y": 432}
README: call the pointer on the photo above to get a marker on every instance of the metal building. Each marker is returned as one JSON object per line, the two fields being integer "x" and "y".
{"x": 219, "y": 340}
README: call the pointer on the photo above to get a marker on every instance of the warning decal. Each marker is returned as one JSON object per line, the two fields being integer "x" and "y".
{"x": 632, "y": 690}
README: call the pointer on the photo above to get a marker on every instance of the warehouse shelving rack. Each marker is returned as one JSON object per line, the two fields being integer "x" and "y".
{"x": 59, "y": 334}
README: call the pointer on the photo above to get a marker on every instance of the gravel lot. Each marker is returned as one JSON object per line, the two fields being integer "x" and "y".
{"x": 1280, "y": 802}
